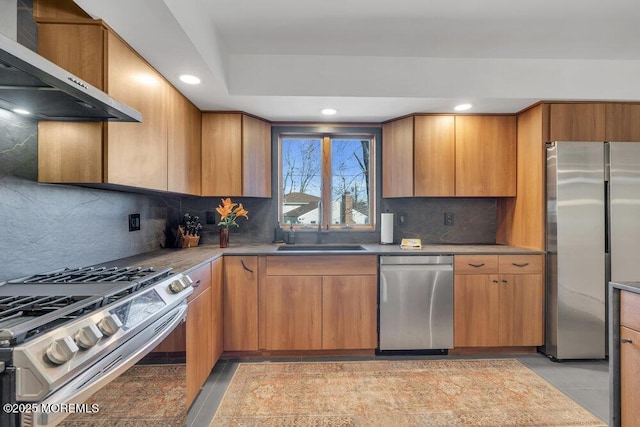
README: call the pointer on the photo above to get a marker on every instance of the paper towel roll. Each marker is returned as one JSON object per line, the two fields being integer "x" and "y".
{"x": 386, "y": 228}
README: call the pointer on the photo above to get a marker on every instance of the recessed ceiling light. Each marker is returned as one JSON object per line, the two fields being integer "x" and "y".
{"x": 21, "y": 111}
{"x": 329, "y": 111}
{"x": 462, "y": 107}
{"x": 189, "y": 79}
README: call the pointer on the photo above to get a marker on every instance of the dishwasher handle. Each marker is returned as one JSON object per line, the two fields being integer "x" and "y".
{"x": 417, "y": 267}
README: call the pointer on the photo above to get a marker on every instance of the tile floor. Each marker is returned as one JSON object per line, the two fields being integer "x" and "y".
{"x": 586, "y": 382}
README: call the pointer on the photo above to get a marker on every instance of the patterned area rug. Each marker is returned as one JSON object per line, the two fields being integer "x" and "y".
{"x": 144, "y": 396}
{"x": 501, "y": 392}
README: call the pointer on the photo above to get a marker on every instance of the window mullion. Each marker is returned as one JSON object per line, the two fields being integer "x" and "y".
{"x": 326, "y": 182}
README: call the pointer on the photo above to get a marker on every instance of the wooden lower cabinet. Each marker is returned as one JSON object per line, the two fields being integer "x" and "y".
{"x": 319, "y": 303}
{"x": 629, "y": 377}
{"x": 293, "y": 313}
{"x": 499, "y": 310}
{"x": 349, "y": 312}
{"x": 217, "y": 271}
{"x": 199, "y": 343}
{"x": 240, "y": 303}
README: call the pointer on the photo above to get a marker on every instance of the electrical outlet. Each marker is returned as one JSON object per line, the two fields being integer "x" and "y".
{"x": 210, "y": 217}
{"x": 402, "y": 219}
{"x": 134, "y": 222}
{"x": 448, "y": 218}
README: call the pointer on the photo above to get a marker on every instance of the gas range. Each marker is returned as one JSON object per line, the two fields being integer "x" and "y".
{"x": 66, "y": 333}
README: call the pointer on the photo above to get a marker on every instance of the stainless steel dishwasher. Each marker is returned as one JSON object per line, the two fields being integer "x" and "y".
{"x": 416, "y": 302}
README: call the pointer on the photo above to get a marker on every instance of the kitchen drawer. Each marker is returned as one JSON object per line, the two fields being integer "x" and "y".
{"x": 630, "y": 310}
{"x": 475, "y": 264}
{"x": 520, "y": 264}
{"x": 201, "y": 277}
{"x": 322, "y": 265}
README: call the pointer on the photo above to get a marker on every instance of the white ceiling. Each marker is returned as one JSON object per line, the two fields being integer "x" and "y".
{"x": 373, "y": 60}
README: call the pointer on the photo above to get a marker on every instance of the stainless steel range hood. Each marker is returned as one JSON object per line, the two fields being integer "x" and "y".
{"x": 30, "y": 82}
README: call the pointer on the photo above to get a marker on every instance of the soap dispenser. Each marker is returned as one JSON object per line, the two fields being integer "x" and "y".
{"x": 291, "y": 239}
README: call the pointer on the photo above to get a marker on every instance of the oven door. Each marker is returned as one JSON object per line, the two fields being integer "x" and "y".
{"x": 107, "y": 369}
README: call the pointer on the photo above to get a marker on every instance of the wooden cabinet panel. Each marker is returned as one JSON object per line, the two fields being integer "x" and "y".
{"x": 293, "y": 314}
{"x": 475, "y": 264}
{"x": 241, "y": 303}
{"x": 137, "y": 152}
{"x": 236, "y": 155}
{"x": 520, "y": 264}
{"x": 79, "y": 49}
{"x": 256, "y": 157}
{"x": 622, "y": 122}
{"x": 434, "y": 156}
{"x": 397, "y": 158}
{"x": 199, "y": 343}
{"x": 70, "y": 152}
{"x": 315, "y": 265}
{"x": 476, "y": 318}
{"x": 577, "y": 122}
{"x": 485, "y": 156}
{"x": 630, "y": 310}
{"x": 201, "y": 278}
{"x": 349, "y": 312}
{"x": 183, "y": 145}
{"x": 629, "y": 377}
{"x": 221, "y": 154}
{"x": 217, "y": 277}
{"x": 521, "y": 310}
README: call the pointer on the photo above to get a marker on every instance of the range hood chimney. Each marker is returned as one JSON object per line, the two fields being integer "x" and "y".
{"x": 48, "y": 92}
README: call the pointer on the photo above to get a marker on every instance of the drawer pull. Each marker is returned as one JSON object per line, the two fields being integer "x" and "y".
{"x": 195, "y": 285}
{"x": 245, "y": 267}
{"x": 505, "y": 282}
{"x": 477, "y": 265}
{"x": 626, "y": 341}
{"x": 524, "y": 264}
{"x": 495, "y": 281}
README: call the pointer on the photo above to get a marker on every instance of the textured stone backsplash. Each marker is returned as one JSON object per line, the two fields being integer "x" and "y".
{"x": 46, "y": 227}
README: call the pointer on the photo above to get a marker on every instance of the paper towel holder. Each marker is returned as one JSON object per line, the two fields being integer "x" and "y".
{"x": 386, "y": 228}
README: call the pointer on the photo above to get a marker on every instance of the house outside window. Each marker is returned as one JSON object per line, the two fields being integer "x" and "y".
{"x": 327, "y": 180}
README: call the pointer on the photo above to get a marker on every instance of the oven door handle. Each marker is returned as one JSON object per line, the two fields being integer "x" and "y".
{"x": 112, "y": 366}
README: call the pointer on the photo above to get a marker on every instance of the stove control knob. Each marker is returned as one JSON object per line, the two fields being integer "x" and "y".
{"x": 180, "y": 284}
{"x": 88, "y": 336}
{"x": 61, "y": 351}
{"x": 109, "y": 325}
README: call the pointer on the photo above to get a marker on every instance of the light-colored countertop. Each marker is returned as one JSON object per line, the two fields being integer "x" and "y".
{"x": 182, "y": 260}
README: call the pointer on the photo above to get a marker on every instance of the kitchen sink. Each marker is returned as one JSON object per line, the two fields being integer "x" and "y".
{"x": 320, "y": 248}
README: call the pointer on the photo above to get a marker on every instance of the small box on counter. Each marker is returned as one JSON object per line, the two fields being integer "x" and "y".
{"x": 411, "y": 244}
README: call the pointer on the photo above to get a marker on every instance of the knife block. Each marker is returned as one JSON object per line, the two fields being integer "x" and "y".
{"x": 185, "y": 241}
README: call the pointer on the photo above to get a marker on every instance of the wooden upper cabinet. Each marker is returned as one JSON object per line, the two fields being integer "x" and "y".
{"x": 622, "y": 122}
{"x": 160, "y": 153}
{"x": 485, "y": 156}
{"x": 183, "y": 145}
{"x": 136, "y": 152}
{"x": 236, "y": 155}
{"x": 577, "y": 122}
{"x": 397, "y": 158}
{"x": 434, "y": 156}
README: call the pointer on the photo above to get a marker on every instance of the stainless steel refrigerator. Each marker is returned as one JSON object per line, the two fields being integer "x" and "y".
{"x": 593, "y": 236}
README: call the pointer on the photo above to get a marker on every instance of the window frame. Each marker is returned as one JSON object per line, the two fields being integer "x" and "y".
{"x": 326, "y": 175}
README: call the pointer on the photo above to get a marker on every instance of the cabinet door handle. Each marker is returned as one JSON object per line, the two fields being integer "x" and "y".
{"x": 524, "y": 264}
{"x": 626, "y": 341}
{"x": 505, "y": 282}
{"x": 245, "y": 267}
{"x": 195, "y": 285}
{"x": 477, "y": 265}
{"x": 495, "y": 281}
